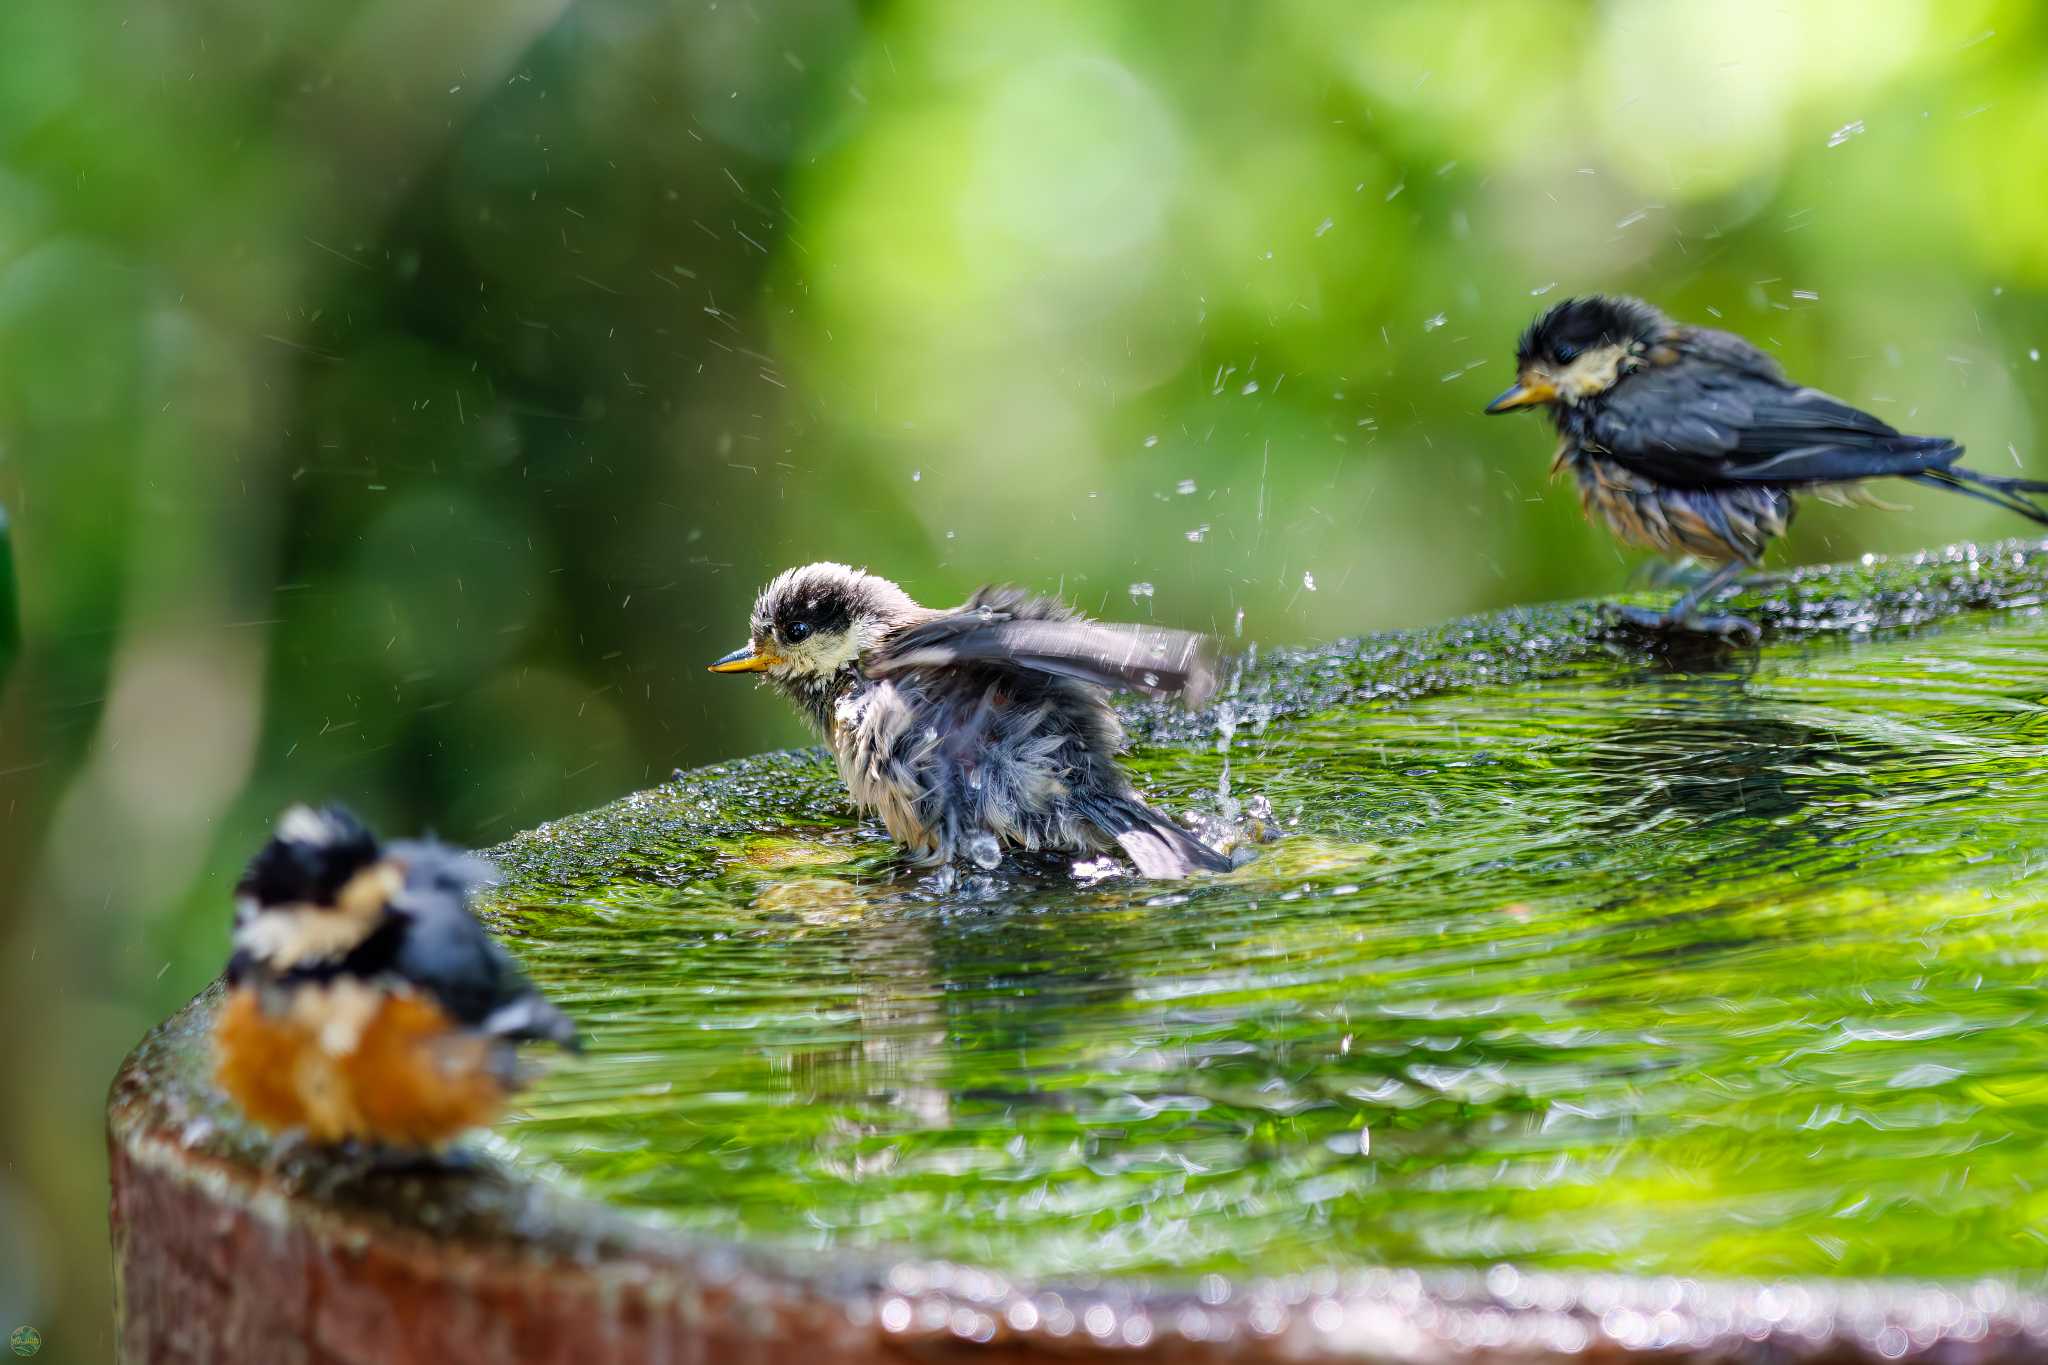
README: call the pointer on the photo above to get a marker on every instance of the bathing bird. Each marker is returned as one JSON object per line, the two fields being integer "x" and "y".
{"x": 983, "y": 727}
{"x": 1692, "y": 442}
{"x": 366, "y": 1003}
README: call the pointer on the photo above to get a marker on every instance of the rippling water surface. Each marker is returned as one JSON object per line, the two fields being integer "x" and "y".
{"x": 1732, "y": 973}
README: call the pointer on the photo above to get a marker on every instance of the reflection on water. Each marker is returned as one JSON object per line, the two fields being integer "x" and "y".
{"x": 1691, "y": 973}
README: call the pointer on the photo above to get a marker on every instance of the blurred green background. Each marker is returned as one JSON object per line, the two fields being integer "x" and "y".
{"x": 400, "y": 402}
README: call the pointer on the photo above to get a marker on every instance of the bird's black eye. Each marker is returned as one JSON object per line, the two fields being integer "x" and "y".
{"x": 1566, "y": 352}
{"x": 796, "y": 632}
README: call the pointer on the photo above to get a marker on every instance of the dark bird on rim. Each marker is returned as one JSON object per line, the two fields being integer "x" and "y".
{"x": 1689, "y": 441}
{"x": 366, "y": 1003}
{"x": 981, "y": 727}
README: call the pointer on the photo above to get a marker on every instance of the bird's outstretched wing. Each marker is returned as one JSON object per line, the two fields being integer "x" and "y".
{"x": 1720, "y": 415}
{"x": 1008, "y": 627}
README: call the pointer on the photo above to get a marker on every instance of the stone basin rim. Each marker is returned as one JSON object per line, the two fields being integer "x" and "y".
{"x": 863, "y": 1305}
{"x": 487, "y": 1226}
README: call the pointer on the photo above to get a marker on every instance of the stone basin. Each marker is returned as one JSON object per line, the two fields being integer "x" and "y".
{"x": 1596, "y": 1001}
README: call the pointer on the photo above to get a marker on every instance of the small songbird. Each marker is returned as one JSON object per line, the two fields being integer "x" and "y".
{"x": 366, "y": 1002}
{"x": 1690, "y": 441}
{"x": 980, "y": 727}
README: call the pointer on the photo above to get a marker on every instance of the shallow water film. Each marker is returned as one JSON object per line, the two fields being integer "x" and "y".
{"x": 1729, "y": 972}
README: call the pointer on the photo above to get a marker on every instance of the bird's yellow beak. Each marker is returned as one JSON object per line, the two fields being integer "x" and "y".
{"x": 746, "y": 659}
{"x": 1526, "y": 392}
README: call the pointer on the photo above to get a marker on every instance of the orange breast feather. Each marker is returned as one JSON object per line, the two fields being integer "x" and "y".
{"x": 348, "y": 1060}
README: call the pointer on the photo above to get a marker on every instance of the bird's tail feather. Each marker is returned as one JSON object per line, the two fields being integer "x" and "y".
{"x": 2011, "y": 494}
{"x": 1159, "y": 847}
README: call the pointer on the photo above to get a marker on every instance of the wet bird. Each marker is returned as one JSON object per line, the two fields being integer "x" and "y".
{"x": 981, "y": 727}
{"x": 1689, "y": 441}
{"x": 366, "y": 1003}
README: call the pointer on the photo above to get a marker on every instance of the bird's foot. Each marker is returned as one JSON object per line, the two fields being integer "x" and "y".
{"x": 396, "y": 1160}
{"x": 1734, "y": 629}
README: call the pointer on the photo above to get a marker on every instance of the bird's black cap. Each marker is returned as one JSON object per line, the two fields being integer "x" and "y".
{"x": 313, "y": 854}
{"x": 1572, "y": 326}
{"x": 821, "y": 607}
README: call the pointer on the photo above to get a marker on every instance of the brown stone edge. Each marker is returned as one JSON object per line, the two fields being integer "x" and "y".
{"x": 225, "y": 1252}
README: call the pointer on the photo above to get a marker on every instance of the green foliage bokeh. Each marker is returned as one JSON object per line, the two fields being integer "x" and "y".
{"x": 400, "y": 402}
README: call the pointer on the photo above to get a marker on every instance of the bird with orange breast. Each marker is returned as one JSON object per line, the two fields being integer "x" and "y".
{"x": 366, "y": 1002}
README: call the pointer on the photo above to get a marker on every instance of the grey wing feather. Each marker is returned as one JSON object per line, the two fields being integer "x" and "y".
{"x": 1706, "y": 424}
{"x": 1729, "y": 351}
{"x": 447, "y": 951}
{"x": 1006, "y": 627}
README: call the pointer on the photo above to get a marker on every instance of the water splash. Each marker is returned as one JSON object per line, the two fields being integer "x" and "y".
{"x": 985, "y": 851}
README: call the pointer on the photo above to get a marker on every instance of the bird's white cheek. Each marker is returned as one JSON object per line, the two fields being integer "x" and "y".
{"x": 820, "y": 658}
{"x": 838, "y": 652}
{"x": 1591, "y": 374}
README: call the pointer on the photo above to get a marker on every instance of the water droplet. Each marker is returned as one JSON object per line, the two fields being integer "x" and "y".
{"x": 1251, "y": 386}
{"x": 1200, "y": 533}
{"x": 1240, "y": 623}
{"x": 1540, "y": 290}
{"x": 1325, "y": 226}
{"x": 1808, "y": 295}
{"x": 2034, "y": 353}
{"x": 1088, "y": 871}
{"x": 1853, "y": 128}
{"x": 917, "y": 476}
{"x": 985, "y": 851}
{"x": 1184, "y": 487}
{"x": 1139, "y": 590}
{"x": 1431, "y": 324}
{"x": 1152, "y": 440}
{"x": 1308, "y": 580}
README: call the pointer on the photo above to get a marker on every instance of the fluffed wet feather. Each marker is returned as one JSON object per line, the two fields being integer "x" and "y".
{"x": 990, "y": 720}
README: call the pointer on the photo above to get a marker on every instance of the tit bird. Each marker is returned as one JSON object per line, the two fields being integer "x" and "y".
{"x": 980, "y": 727}
{"x": 1689, "y": 441}
{"x": 365, "y": 1001}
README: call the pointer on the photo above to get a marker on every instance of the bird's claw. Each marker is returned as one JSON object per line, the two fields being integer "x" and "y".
{"x": 1734, "y": 629}
{"x": 1737, "y": 629}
